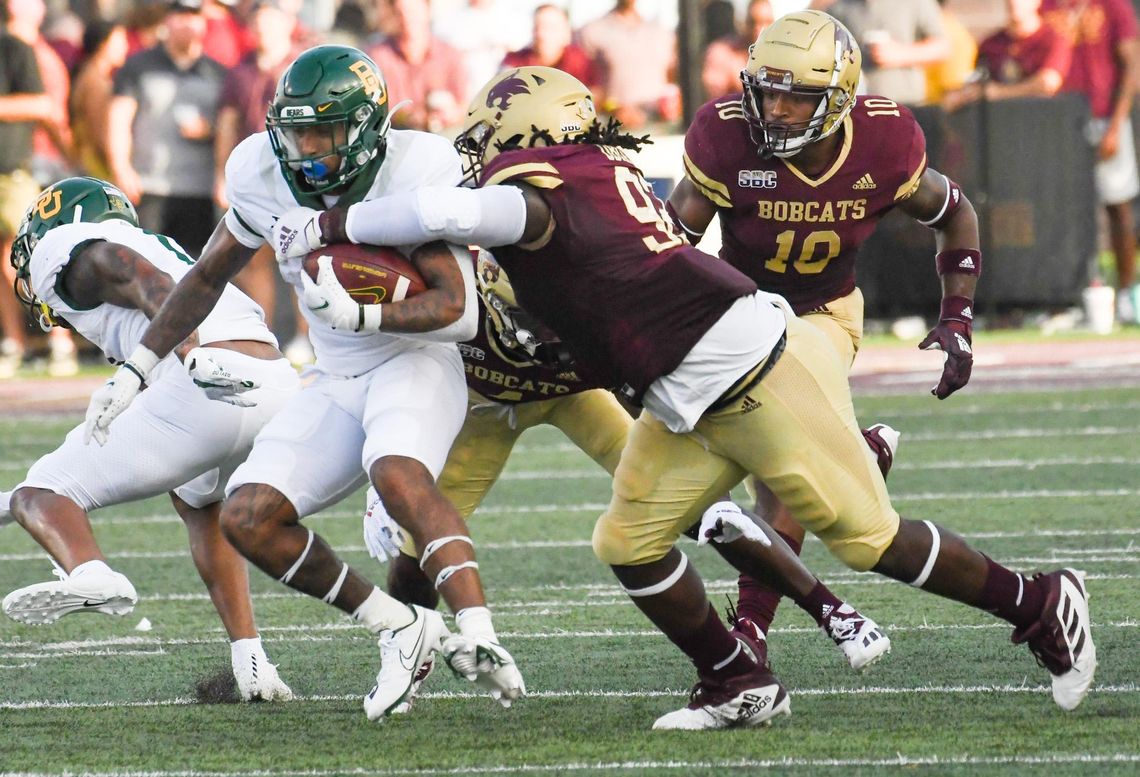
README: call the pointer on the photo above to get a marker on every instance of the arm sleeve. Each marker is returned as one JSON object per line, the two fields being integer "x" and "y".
{"x": 491, "y": 216}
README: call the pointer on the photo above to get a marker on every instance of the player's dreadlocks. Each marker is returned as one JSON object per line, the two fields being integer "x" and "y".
{"x": 596, "y": 134}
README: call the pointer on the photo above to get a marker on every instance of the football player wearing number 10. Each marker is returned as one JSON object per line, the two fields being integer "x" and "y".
{"x": 800, "y": 171}
{"x": 732, "y": 383}
{"x": 387, "y": 396}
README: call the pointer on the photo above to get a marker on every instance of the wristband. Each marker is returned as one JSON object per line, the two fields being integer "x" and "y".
{"x": 141, "y": 361}
{"x": 370, "y": 316}
{"x": 955, "y": 308}
{"x": 960, "y": 261}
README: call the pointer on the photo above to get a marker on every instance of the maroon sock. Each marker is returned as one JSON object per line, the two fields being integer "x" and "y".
{"x": 757, "y": 601}
{"x": 819, "y": 603}
{"x": 714, "y": 651}
{"x": 1011, "y": 596}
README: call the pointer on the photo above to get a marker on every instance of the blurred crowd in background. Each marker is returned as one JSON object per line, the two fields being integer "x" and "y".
{"x": 154, "y": 94}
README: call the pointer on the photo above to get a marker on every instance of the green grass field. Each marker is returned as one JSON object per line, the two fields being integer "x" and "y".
{"x": 1035, "y": 480}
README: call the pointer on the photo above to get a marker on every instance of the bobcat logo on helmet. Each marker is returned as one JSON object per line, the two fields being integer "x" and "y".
{"x": 501, "y": 93}
{"x": 523, "y": 108}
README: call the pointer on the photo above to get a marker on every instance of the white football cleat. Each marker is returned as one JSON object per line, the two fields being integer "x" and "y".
{"x": 487, "y": 664}
{"x": 257, "y": 679}
{"x": 750, "y": 699}
{"x": 426, "y": 668}
{"x": 860, "y": 638}
{"x": 1061, "y": 638}
{"x": 403, "y": 652}
{"x": 87, "y": 589}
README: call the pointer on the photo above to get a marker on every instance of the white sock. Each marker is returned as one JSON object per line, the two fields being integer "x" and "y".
{"x": 95, "y": 565}
{"x": 476, "y": 622}
{"x": 380, "y": 611}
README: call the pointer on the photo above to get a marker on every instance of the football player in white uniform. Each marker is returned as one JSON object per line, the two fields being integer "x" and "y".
{"x": 82, "y": 261}
{"x": 387, "y": 395}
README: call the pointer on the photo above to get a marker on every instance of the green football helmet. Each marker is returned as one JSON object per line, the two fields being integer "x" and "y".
{"x": 72, "y": 200}
{"x": 338, "y": 92}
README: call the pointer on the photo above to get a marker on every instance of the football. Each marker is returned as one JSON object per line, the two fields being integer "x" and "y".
{"x": 370, "y": 274}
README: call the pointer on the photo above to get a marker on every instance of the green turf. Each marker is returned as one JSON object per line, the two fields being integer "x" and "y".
{"x": 1041, "y": 480}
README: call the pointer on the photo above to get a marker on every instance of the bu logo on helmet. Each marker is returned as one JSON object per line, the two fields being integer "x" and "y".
{"x": 502, "y": 92}
{"x": 49, "y": 203}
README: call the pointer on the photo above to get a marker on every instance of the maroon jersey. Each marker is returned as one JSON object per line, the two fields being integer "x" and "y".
{"x": 1010, "y": 60}
{"x": 497, "y": 376}
{"x": 614, "y": 279}
{"x": 795, "y": 235}
{"x": 1096, "y": 28}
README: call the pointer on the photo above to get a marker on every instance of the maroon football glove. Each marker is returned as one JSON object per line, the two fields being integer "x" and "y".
{"x": 953, "y": 336}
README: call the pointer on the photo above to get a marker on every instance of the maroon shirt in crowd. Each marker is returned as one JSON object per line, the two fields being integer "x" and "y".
{"x": 574, "y": 61}
{"x": 1095, "y": 33}
{"x": 1010, "y": 60}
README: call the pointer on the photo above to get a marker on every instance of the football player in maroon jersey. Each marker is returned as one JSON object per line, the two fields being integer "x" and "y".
{"x": 732, "y": 383}
{"x": 800, "y": 172}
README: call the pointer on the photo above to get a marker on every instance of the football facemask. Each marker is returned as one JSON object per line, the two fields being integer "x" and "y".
{"x": 807, "y": 53}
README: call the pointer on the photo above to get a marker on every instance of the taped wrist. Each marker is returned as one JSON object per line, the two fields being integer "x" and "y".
{"x": 333, "y": 223}
{"x": 960, "y": 261}
{"x": 141, "y": 361}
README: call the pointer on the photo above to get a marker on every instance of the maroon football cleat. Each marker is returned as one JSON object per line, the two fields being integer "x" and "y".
{"x": 883, "y": 442}
{"x": 751, "y": 699}
{"x": 1061, "y": 639}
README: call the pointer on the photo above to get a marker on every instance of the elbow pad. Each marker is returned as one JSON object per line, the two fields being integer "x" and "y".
{"x": 493, "y": 216}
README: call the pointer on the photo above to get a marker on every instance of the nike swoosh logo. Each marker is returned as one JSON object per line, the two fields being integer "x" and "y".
{"x": 322, "y": 307}
{"x": 325, "y": 107}
{"x": 89, "y": 603}
{"x": 409, "y": 661}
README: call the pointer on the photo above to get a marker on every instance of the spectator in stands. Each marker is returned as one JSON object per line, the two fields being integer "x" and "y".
{"x": 727, "y": 56}
{"x": 483, "y": 31}
{"x": 553, "y": 46}
{"x": 247, "y": 90}
{"x": 637, "y": 58}
{"x": 23, "y": 105}
{"x": 1027, "y": 58}
{"x": 952, "y": 72}
{"x": 143, "y": 22}
{"x": 420, "y": 67}
{"x": 104, "y": 51}
{"x": 51, "y": 143}
{"x": 225, "y": 36}
{"x": 1103, "y": 68}
{"x": 899, "y": 38}
{"x": 161, "y": 129}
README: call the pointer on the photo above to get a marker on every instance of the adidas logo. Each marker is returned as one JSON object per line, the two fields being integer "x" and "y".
{"x": 749, "y": 404}
{"x": 866, "y": 182}
{"x": 966, "y": 264}
{"x": 968, "y": 312}
{"x": 826, "y": 612}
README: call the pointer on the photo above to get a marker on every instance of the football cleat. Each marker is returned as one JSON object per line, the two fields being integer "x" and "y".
{"x": 750, "y": 699}
{"x": 487, "y": 664}
{"x": 257, "y": 678}
{"x": 860, "y": 638}
{"x": 422, "y": 673}
{"x": 883, "y": 442}
{"x": 87, "y": 589}
{"x": 403, "y": 652}
{"x": 1061, "y": 638}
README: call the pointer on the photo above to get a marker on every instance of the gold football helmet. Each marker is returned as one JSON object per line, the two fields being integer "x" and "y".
{"x": 804, "y": 53}
{"x": 523, "y": 108}
{"x": 522, "y": 338}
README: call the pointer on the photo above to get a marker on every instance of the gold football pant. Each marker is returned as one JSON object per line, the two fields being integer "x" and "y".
{"x": 841, "y": 320}
{"x": 795, "y": 430}
{"x": 592, "y": 420}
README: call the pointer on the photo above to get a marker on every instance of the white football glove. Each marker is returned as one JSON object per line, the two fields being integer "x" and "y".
{"x": 116, "y": 394}
{"x": 382, "y": 536}
{"x": 257, "y": 679}
{"x": 487, "y": 664}
{"x": 725, "y": 522}
{"x": 211, "y": 369}
{"x": 297, "y": 233}
{"x": 332, "y": 304}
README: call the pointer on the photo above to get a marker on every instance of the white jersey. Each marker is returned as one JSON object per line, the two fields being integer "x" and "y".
{"x": 118, "y": 330}
{"x": 258, "y": 195}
